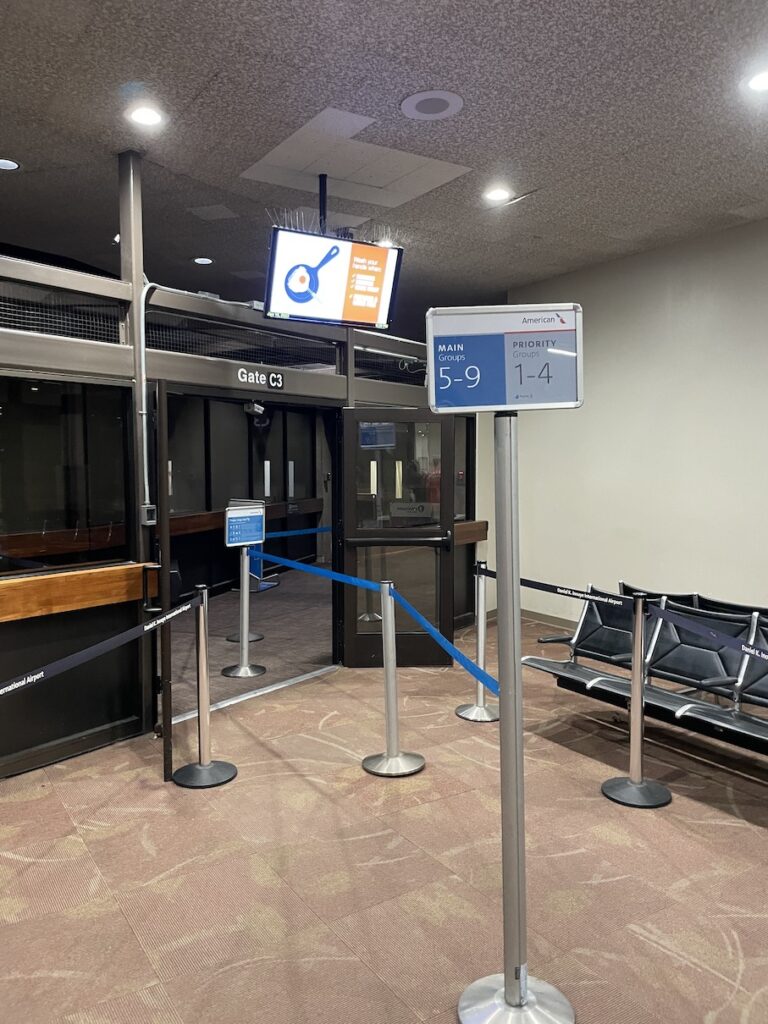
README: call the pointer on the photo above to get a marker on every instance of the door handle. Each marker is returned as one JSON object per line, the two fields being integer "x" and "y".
{"x": 412, "y": 542}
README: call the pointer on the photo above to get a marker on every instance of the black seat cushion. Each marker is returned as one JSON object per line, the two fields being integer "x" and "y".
{"x": 710, "y": 604}
{"x": 689, "y": 658}
{"x": 605, "y": 632}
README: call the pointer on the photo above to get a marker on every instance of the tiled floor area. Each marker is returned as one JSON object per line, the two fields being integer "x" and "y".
{"x": 307, "y": 892}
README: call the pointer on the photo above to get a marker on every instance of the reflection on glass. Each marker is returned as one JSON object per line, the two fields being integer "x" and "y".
{"x": 300, "y": 448}
{"x": 461, "y": 431}
{"x": 229, "y": 452}
{"x": 398, "y": 475}
{"x": 267, "y": 454}
{"x": 63, "y": 473}
{"x": 416, "y": 572}
{"x": 186, "y": 448}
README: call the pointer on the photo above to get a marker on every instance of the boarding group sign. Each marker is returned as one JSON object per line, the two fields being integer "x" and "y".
{"x": 504, "y": 358}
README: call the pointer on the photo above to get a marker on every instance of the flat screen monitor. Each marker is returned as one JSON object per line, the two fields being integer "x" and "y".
{"x": 331, "y": 280}
{"x": 377, "y": 435}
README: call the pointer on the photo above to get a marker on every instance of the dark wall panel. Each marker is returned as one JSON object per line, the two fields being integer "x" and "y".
{"x": 95, "y": 703}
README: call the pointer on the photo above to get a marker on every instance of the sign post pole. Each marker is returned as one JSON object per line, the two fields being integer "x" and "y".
{"x": 503, "y": 359}
{"x": 512, "y": 997}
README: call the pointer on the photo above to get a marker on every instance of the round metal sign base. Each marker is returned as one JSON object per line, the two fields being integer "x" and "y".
{"x": 401, "y": 764}
{"x": 243, "y": 671}
{"x": 204, "y": 776}
{"x": 633, "y": 794}
{"x": 483, "y": 1002}
{"x": 478, "y": 712}
{"x": 234, "y": 638}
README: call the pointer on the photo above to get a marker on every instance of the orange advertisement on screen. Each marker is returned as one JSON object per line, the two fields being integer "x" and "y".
{"x": 365, "y": 280}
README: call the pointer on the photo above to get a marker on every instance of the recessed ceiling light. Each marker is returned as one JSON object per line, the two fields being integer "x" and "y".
{"x": 9, "y": 165}
{"x": 498, "y": 195}
{"x": 759, "y": 82}
{"x": 145, "y": 115}
{"x": 202, "y": 261}
{"x": 116, "y": 239}
{"x": 34, "y": 388}
{"x": 432, "y": 105}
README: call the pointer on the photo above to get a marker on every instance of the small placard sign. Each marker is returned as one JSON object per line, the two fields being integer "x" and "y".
{"x": 245, "y": 524}
{"x": 504, "y": 358}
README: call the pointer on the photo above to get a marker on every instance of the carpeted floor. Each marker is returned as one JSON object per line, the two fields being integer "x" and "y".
{"x": 299, "y": 606}
{"x": 307, "y": 892}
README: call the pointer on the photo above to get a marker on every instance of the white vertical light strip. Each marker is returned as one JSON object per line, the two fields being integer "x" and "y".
{"x": 398, "y": 480}
{"x": 290, "y": 479}
{"x": 267, "y": 479}
{"x": 170, "y": 478}
{"x": 374, "y": 478}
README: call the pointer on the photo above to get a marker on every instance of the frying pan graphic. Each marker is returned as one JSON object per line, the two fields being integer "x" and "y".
{"x": 301, "y": 281}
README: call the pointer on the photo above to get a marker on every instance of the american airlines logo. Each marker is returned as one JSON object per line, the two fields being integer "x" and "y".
{"x": 551, "y": 318}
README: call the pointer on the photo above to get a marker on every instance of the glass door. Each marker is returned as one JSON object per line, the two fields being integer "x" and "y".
{"x": 398, "y": 525}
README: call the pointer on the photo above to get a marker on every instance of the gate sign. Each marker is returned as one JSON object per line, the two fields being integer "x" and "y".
{"x": 504, "y": 358}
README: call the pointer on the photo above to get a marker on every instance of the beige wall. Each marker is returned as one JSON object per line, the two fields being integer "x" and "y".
{"x": 661, "y": 477}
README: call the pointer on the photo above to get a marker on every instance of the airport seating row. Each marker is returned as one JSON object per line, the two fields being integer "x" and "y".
{"x": 681, "y": 668}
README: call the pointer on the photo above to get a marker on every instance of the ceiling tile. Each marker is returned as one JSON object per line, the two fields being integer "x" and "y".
{"x": 215, "y": 212}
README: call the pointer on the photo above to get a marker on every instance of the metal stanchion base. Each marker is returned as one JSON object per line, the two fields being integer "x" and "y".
{"x": 633, "y": 794}
{"x": 199, "y": 776}
{"x": 400, "y": 764}
{"x": 234, "y": 638}
{"x": 483, "y": 1002}
{"x": 369, "y": 617}
{"x": 243, "y": 671}
{"x": 478, "y": 712}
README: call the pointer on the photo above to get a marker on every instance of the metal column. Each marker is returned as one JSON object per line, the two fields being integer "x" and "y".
{"x": 393, "y": 762}
{"x": 480, "y": 711}
{"x": 511, "y": 997}
{"x": 349, "y": 367}
{"x": 244, "y": 669}
{"x": 206, "y": 773}
{"x": 132, "y": 271}
{"x": 637, "y": 791}
{"x": 164, "y": 535}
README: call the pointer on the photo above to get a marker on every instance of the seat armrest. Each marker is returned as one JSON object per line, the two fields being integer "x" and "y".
{"x": 620, "y": 659}
{"x": 714, "y": 682}
{"x": 555, "y": 639}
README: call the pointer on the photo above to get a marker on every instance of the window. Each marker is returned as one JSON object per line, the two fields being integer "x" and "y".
{"x": 64, "y": 456}
{"x": 300, "y": 449}
{"x": 267, "y": 452}
{"x": 229, "y": 452}
{"x": 464, "y": 468}
{"x": 186, "y": 453}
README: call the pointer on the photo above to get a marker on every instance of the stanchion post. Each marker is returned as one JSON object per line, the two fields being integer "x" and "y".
{"x": 637, "y": 791}
{"x": 234, "y": 638}
{"x": 244, "y": 670}
{"x": 512, "y": 997}
{"x": 480, "y": 711}
{"x": 206, "y": 773}
{"x": 393, "y": 762}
